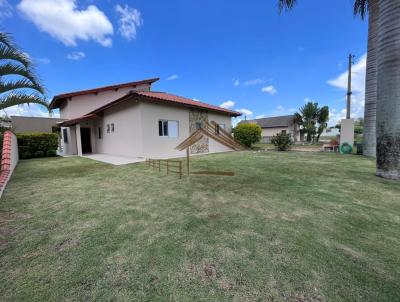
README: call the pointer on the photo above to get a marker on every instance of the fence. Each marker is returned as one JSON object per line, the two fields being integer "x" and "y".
{"x": 171, "y": 166}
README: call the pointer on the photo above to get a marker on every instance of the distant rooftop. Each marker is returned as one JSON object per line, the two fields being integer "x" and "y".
{"x": 273, "y": 122}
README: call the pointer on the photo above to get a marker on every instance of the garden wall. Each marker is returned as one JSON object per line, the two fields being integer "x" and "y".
{"x": 9, "y": 158}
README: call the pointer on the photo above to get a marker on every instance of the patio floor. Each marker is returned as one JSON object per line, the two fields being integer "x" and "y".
{"x": 114, "y": 159}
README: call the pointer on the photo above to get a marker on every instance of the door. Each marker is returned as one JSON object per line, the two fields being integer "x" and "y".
{"x": 85, "y": 140}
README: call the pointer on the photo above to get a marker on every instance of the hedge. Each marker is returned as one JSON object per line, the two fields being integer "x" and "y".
{"x": 37, "y": 144}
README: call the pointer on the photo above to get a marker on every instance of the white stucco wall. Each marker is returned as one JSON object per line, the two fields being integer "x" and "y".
{"x": 126, "y": 139}
{"x": 81, "y": 105}
{"x": 69, "y": 148}
{"x": 220, "y": 119}
{"x": 156, "y": 146}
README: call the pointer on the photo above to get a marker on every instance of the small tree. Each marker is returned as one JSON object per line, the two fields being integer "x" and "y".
{"x": 282, "y": 141}
{"x": 247, "y": 134}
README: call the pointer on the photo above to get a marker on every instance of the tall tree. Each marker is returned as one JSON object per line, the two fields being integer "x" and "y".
{"x": 18, "y": 82}
{"x": 371, "y": 81}
{"x": 312, "y": 120}
{"x": 388, "y": 105}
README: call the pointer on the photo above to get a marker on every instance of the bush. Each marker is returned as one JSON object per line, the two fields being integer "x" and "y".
{"x": 36, "y": 144}
{"x": 51, "y": 153}
{"x": 39, "y": 154}
{"x": 247, "y": 134}
{"x": 25, "y": 155}
{"x": 282, "y": 141}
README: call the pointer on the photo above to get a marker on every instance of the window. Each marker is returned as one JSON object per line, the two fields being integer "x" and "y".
{"x": 65, "y": 135}
{"x": 112, "y": 127}
{"x": 198, "y": 125}
{"x": 99, "y": 132}
{"x": 168, "y": 128}
{"x": 108, "y": 128}
{"x": 222, "y": 126}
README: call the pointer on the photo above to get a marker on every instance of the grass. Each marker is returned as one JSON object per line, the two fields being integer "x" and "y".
{"x": 287, "y": 227}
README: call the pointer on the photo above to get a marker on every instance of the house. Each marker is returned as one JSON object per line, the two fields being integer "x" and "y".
{"x": 29, "y": 124}
{"x": 132, "y": 120}
{"x": 277, "y": 124}
{"x": 330, "y": 132}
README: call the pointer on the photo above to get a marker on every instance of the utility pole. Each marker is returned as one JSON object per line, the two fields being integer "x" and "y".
{"x": 349, "y": 92}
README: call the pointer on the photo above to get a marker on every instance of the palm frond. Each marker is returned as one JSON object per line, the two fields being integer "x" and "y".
{"x": 6, "y": 40}
{"x": 19, "y": 84}
{"x": 360, "y": 8}
{"x": 14, "y": 99}
{"x": 9, "y": 53}
{"x": 286, "y": 4}
{"x": 12, "y": 69}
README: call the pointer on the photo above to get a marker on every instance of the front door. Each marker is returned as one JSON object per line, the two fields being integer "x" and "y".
{"x": 85, "y": 140}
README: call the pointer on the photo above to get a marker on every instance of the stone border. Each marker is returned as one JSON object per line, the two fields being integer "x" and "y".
{"x": 9, "y": 158}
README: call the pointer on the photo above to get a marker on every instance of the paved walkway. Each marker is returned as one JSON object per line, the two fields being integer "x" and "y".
{"x": 115, "y": 159}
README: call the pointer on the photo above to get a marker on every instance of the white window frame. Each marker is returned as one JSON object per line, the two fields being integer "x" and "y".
{"x": 162, "y": 134}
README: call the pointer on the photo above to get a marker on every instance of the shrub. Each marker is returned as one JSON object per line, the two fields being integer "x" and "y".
{"x": 247, "y": 134}
{"x": 39, "y": 153}
{"x": 51, "y": 153}
{"x": 282, "y": 141}
{"x": 25, "y": 155}
{"x": 31, "y": 143}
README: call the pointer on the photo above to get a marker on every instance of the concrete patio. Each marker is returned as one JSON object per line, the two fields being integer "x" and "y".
{"x": 114, "y": 159}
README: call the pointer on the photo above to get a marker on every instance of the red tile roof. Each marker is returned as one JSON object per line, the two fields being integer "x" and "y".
{"x": 55, "y": 103}
{"x": 161, "y": 97}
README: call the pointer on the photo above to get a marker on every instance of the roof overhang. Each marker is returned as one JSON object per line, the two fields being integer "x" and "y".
{"x": 58, "y": 99}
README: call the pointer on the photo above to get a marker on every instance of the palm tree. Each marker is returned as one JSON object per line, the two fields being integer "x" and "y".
{"x": 309, "y": 117}
{"x": 18, "y": 81}
{"x": 371, "y": 80}
{"x": 388, "y": 104}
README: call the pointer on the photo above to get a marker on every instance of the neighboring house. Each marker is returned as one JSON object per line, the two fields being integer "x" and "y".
{"x": 330, "y": 132}
{"x": 27, "y": 124}
{"x": 132, "y": 120}
{"x": 277, "y": 124}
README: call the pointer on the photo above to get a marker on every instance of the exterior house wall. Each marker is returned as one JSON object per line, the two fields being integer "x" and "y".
{"x": 81, "y": 105}
{"x": 268, "y": 133}
{"x": 26, "y": 124}
{"x": 220, "y": 119}
{"x": 160, "y": 146}
{"x": 126, "y": 140}
{"x": 70, "y": 147}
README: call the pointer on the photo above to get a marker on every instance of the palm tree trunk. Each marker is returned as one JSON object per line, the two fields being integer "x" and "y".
{"x": 388, "y": 104}
{"x": 371, "y": 81}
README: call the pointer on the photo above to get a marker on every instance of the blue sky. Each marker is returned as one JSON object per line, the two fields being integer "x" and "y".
{"x": 247, "y": 57}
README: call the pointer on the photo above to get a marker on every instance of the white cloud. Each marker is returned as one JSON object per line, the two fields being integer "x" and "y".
{"x": 358, "y": 87}
{"x": 5, "y": 9}
{"x": 269, "y": 89}
{"x": 260, "y": 116}
{"x": 358, "y": 77}
{"x": 253, "y": 82}
{"x": 245, "y": 112}
{"x": 63, "y": 21}
{"x": 173, "y": 77}
{"x": 29, "y": 110}
{"x": 236, "y": 82}
{"x": 227, "y": 105}
{"x": 76, "y": 55}
{"x": 280, "y": 108}
{"x": 130, "y": 20}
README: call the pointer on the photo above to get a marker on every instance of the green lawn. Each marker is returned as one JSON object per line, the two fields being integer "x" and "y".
{"x": 287, "y": 227}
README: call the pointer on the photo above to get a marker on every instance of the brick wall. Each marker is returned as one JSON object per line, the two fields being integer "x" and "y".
{"x": 9, "y": 158}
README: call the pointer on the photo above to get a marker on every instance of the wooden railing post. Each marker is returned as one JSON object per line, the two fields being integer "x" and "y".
{"x": 180, "y": 169}
{"x": 167, "y": 167}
